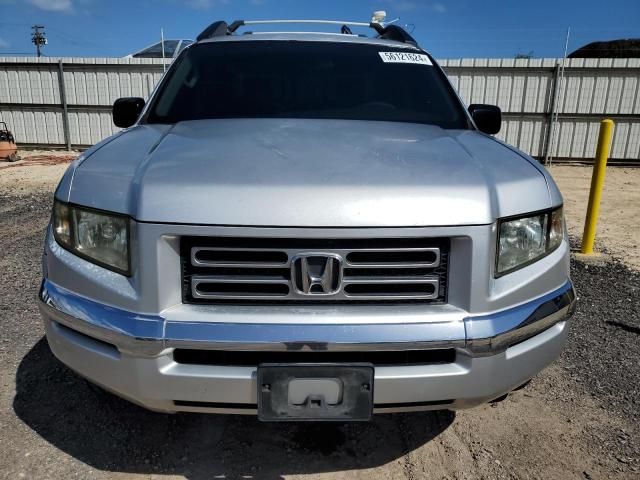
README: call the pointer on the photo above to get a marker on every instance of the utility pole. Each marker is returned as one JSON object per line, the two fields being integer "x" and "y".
{"x": 164, "y": 65}
{"x": 559, "y": 90}
{"x": 38, "y": 38}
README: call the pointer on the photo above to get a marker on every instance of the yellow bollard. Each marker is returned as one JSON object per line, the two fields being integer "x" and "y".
{"x": 597, "y": 182}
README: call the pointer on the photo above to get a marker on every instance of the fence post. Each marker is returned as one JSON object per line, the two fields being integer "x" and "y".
{"x": 552, "y": 112}
{"x": 597, "y": 182}
{"x": 65, "y": 109}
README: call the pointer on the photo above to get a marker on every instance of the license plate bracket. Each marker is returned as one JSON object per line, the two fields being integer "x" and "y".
{"x": 282, "y": 396}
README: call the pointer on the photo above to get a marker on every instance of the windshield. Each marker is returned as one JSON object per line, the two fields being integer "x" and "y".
{"x": 292, "y": 79}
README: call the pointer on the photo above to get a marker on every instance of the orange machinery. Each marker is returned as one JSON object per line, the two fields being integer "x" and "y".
{"x": 8, "y": 148}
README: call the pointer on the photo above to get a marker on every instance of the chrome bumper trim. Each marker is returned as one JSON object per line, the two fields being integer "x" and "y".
{"x": 130, "y": 332}
{"x": 150, "y": 335}
{"x": 489, "y": 334}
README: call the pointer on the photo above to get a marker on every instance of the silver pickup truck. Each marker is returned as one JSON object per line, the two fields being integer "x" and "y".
{"x": 306, "y": 226}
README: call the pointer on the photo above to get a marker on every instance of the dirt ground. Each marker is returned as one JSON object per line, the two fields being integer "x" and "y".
{"x": 36, "y": 170}
{"x": 619, "y": 221}
{"x": 579, "y": 419}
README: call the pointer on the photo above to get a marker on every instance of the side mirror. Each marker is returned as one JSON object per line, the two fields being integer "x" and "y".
{"x": 488, "y": 118}
{"x": 126, "y": 111}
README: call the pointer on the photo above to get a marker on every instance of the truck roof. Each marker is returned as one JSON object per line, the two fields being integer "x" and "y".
{"x": 311, "y": 37}
{"x": 386, "y": 34}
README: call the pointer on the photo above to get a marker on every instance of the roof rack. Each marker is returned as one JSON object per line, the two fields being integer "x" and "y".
{"x": 388, "y": 32}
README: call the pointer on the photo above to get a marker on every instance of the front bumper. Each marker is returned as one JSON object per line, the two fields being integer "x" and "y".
{"x": 132, "y": 354}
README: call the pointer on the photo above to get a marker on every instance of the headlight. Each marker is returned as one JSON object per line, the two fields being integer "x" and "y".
{"x": 102, "y": 238}
{"x": 522, "y": 241}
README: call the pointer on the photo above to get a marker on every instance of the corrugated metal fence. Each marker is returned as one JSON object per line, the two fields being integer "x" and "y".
{"x": 529, "y": 91}
{"x": 60, "y": 102}
{"x": 32, "y": 104}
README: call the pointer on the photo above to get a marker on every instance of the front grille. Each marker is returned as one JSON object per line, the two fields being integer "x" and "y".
{"x": 278, "y": 270}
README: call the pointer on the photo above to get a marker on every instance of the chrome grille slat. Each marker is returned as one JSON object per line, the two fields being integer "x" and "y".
{"x": 411, "y": 264}
{"x": 402, "y": 280}
{"x": 229, "y": 293}
{"x": 199, "y": 262}
{"x": 342, "y": 252}
{"x": 247, "y": 279}
{"x": 397, "y": 282}
{"x": 255, "y": 269}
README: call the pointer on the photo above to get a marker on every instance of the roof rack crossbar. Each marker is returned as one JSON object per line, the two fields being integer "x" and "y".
{"x": 326, "y": 22}
{"x": 302, "y": 32}
{"x": 389, "y": 32}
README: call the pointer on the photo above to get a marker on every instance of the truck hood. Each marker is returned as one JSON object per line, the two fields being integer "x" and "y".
{"x": 320, "y": 173}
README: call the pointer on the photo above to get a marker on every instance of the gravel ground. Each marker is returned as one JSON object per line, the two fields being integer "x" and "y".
{"x": 577, "y": 419}
{"x": 612, "y": 326}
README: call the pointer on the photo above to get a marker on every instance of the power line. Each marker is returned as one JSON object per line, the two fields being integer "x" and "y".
{"x": 74, "y": 39}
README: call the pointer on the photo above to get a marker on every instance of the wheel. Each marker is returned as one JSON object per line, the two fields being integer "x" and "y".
{"x": 13, "y": 157}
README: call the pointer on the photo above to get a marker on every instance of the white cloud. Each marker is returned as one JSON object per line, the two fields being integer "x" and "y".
{"x": 65, "y": 6}
{"x": 408, "y": 6}
{"x": 402, "y": 5}
{"x": 4, "y": 43}
{"x": 204, "y": 4}
{"x": 199, "y": 4}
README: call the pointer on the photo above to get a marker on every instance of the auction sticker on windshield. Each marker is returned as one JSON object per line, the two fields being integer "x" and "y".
{"x": 405, "y": 57}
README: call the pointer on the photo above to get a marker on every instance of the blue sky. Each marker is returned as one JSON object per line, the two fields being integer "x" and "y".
{"x": 448, "y": 29}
